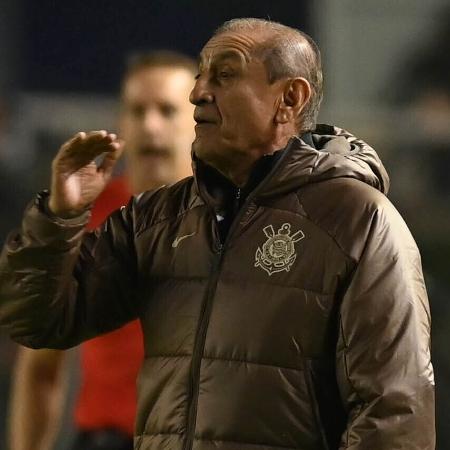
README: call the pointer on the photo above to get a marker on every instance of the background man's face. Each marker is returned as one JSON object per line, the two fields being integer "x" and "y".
{"x": 157, "y": 125}
{"x": 235, "y": 103}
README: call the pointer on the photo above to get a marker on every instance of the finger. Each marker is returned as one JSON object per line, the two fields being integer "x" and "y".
{"x": 99, "y": 138}
{"x": 82, "y": 150}
{"x": 96, "y": 136}
{"x": 98, "y": 149}
{"x": 83, "y": 155}
{"x": 97, "y": 133}
{"x": 81, "y": 138}
{"x": 111, "y": 158}
{"x": 93, "y": 137}
{"x": 90, "y": 146}
{"x": 104, "y": 146}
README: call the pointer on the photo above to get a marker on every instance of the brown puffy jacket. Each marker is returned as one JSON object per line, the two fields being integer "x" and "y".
{"x": 307, "y": 329}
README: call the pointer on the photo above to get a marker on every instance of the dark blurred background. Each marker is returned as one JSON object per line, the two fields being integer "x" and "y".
{"x": 387, "y": 79}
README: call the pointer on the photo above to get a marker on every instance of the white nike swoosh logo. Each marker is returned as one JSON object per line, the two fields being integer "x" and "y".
{"x": 178, "y": 239}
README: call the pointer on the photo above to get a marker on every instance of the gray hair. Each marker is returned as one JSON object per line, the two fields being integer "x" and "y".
{"x": 286, "y": 52}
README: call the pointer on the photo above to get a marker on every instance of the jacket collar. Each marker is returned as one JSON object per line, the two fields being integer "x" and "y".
{"x": 329, "y": 152}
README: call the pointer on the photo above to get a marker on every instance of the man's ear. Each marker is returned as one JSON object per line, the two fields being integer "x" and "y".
{"x": 295, "y": 95}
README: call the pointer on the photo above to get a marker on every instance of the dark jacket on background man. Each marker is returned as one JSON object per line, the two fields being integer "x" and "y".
{"x": 304, "y": 325}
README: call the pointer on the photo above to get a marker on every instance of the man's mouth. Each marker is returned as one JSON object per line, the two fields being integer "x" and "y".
{"x": 204, "y": 122}
{"x": 202, "y": 118}
{"x": 147, "y": 151}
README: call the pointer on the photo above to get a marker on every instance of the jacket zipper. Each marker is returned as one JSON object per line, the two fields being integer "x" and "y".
{"x": 199, "y": 344}
{"x": 197, "y": 357}
{"x": 200, "y": 337}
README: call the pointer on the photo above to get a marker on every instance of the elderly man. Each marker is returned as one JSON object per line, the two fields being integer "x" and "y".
{"x": 280, "y": 293}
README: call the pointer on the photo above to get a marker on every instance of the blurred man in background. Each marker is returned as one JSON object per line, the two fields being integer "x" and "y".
{"x": 156, "y": 122}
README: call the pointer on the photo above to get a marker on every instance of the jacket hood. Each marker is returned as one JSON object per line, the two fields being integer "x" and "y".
{"x": 336, "y": 154}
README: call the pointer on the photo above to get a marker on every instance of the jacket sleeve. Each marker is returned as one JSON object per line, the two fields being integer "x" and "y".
{"x": 60, "y": 285}
{"x": 384, "y": 370}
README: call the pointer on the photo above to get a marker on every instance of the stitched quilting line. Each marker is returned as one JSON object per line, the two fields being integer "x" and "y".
{"x": 162, "y": 433}
{"x": 149, "y": 226}
{"x": 249, "y": 444}
{"x": 243, "y": 361}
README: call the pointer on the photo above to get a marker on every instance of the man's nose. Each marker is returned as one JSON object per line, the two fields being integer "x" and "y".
{"x": 152, "y": 121}
{"x": 201, "y": 93}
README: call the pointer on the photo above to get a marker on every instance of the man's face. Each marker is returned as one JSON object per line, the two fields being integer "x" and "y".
{"x": 157, "y": 125}
{"x": 235, "y": 103}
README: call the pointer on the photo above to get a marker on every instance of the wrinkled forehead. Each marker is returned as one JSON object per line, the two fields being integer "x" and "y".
{"x": 233, "y": 46}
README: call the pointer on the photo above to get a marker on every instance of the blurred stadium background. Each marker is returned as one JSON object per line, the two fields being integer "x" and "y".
{"x": 387, "y": 79}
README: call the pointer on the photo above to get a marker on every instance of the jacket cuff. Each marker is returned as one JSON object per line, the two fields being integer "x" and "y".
{"x": 43, "y": 225}
{"x": 41, "y": 202}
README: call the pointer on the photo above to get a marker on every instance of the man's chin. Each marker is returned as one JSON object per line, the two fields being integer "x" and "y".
{"x": 203, "y": 149}
{"x": 153, "y": 172}
{"x": 209, "y": 154}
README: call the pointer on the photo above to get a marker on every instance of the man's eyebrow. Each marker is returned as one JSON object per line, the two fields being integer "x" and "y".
{"x": 217, "y": 58}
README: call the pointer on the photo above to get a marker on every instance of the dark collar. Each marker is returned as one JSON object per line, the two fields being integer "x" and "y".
{"x": 221, "y": 192}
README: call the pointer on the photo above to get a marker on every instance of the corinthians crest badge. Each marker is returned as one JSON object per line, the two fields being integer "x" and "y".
{"x": 278, "y": 252}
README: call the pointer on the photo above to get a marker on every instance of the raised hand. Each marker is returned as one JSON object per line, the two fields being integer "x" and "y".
{"x": 76, "y": 178}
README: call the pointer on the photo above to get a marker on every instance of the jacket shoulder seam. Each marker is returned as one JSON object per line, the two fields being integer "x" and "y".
{"x": 327, "y": 232}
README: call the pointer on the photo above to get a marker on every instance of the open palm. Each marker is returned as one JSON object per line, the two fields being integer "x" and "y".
{"x": 77, "y": 180}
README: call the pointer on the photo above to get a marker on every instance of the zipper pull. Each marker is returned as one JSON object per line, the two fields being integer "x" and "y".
{"x": 237, "y": 201}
